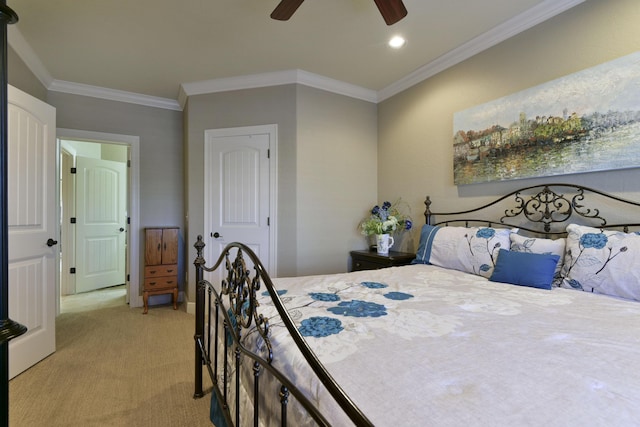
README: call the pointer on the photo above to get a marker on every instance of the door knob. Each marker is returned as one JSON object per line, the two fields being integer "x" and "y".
{"x": 51, "y": 242}
{"x": 121, "y": 229}
{"x": 215, "y": 235}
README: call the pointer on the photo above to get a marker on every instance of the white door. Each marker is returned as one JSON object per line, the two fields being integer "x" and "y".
{"x": 101, "y": 223}
{"x": 32, "y": 220}
{"x": 238, "y": 190}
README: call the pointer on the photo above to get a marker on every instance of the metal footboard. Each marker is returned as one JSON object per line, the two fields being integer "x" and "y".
{"x": 233, "y": 303}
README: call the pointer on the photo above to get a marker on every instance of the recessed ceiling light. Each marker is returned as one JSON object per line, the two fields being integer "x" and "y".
{"x": 397, "y": 42}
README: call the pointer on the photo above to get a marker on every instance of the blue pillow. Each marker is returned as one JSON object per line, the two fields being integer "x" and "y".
{"x": 525, "y": 269}
{"x": 427, "y": 234}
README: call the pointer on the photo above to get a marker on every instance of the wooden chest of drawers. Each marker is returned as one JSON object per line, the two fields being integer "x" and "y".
{"x": 161, "y": 264}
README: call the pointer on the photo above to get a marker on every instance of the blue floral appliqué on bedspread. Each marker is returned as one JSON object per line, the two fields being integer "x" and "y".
{"x": 357, "y": 308}
{"x": 398, "y": 296}
{"x": 319, "y": 327}
{"x": 374, "y": 285}
{"x": 280, "y": 293}
{"x": 323, "y": 296}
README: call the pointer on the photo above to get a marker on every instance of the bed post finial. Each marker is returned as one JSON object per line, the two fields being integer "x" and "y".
{"x": 199, "y": 245}
{"x": 427, "y": 211}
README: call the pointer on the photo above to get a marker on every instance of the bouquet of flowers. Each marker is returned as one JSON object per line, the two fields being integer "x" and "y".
{"x": 386, "y": 219}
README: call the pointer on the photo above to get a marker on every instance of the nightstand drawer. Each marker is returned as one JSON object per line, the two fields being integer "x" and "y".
{"x": 161, "y": 270}
{"x": 369, "y": 260}
{"x": 360, "y": 264}
{"x": 154, "y": 283}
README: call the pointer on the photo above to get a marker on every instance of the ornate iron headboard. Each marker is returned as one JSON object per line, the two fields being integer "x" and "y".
{"x": 540, "y": 209}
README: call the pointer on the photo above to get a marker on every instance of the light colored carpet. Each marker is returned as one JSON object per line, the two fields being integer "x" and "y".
{"x": 102, "y": 298}
{"x": 114, "y": 366}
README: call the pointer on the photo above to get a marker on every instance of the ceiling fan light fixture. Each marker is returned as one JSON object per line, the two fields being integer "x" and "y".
{"x": 397, "y": 42}
{"x": 392, "y": 11}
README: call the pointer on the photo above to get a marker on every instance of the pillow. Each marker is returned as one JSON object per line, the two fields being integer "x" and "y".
{"x": 540, "y": 246}
{"x": 473, "y": 250}
{"x": 525, "y": 269}
{"x": 605, "y": 262}
{"x": 427, "y": 234}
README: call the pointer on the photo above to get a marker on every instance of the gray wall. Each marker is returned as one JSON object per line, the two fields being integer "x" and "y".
{"x": 326, "y": 168}
{"x": 161, "y": 155}
{"x": 336, "y": 178}
{"x": 415, "y": 152}
{"x": 161, "y": 149}
{"x": 272, "y": 105}
{"x": 20, "y": 76}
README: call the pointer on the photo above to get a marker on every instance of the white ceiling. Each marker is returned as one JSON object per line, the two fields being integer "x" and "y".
{"x": 167, "y": 49}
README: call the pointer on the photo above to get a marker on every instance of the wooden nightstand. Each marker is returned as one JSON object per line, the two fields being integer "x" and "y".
{"x": 370, "y": 260}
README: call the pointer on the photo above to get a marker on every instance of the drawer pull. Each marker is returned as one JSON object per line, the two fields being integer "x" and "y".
{"x": 152, "y": 283}
{"x": 152, "y": 271}
{"x": 170, "y": 271}
{"x": 169, "y": 281}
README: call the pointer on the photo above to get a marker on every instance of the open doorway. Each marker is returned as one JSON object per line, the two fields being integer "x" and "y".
{"x": 98, "y": 210}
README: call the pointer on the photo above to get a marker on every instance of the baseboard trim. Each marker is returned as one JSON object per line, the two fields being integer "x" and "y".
{"x": 191, "y": 307}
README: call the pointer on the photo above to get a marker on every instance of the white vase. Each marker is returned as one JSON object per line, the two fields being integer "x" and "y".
{"x": 383, "y": 243}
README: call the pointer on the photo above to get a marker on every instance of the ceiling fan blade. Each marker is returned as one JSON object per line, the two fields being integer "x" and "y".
{"x": 391, "y": 10}
{"x": 285, "y": 9}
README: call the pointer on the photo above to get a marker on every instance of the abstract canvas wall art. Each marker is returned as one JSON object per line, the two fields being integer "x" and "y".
{"x": 587, "y": 121}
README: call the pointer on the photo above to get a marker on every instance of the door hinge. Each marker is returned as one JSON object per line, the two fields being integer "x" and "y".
{"x": 268, "y": 153}
{"x": 128, "y": 163}
{"x": 268, "y": 221}
{"x": 72, "y": 270}
{"x": 128, "y": 277}
{"x": 129, "y": 220}
{"x": 72, "y": 220}
{"x": 73, "y": 170}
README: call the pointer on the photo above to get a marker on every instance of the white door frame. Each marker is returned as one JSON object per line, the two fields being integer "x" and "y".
{"x": 272, "y": 130}
{"x": 133, "y": 236}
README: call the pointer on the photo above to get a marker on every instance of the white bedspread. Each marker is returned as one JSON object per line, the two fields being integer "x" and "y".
{"x": 424, "y": 346}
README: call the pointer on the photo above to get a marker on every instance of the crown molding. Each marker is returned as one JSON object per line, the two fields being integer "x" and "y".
{"x": 518, "y": 24}
{"x": 31, "y": 60}
{"x": 113, "y": 95}
{"x": 522, "y": 22}
{"x": 275, "y": 79}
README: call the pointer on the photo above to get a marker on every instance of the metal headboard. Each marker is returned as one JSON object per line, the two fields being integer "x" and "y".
{"x": 543, "y": 210}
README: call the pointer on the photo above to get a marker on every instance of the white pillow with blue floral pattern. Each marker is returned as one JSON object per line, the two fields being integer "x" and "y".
{"x": 473, "y": 250}
{"x": 602, "y": 261}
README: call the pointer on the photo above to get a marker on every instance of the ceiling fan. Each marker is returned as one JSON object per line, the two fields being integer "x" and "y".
{"x": 392, "y": 11}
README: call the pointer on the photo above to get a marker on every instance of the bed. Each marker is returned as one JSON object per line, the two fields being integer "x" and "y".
{"x": 523, "y": 311}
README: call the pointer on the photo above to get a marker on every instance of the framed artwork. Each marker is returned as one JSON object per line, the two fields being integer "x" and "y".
{"x": 587, "y": 121}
